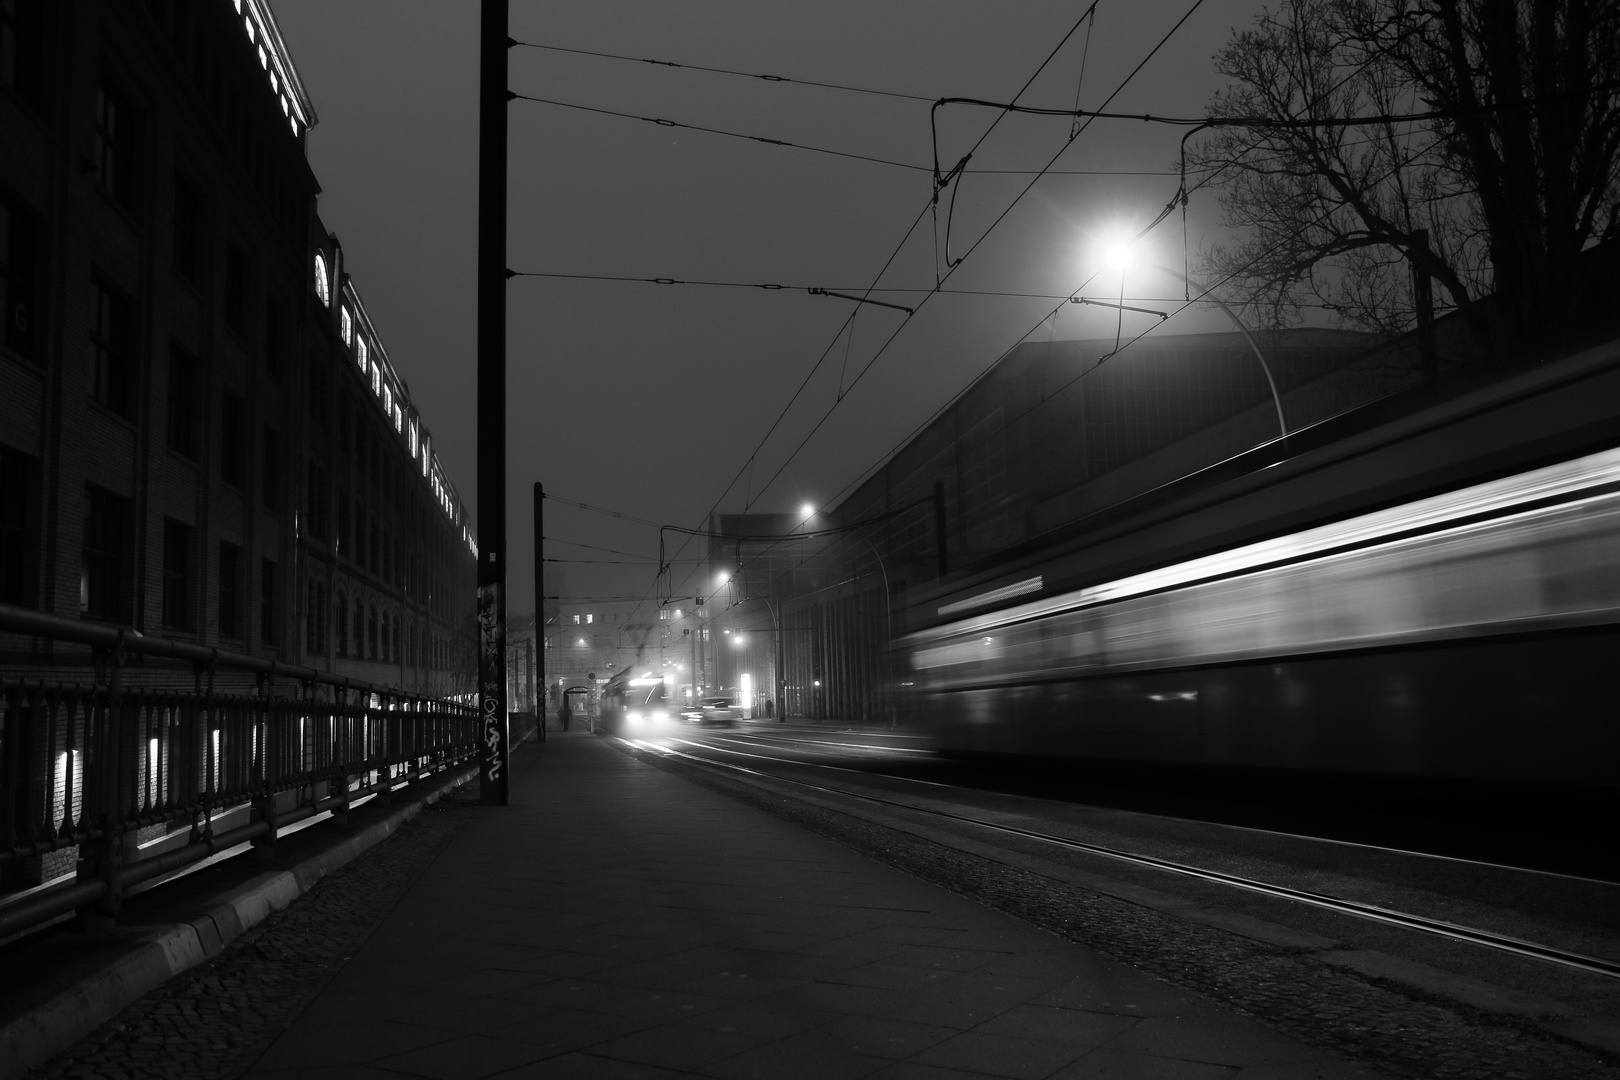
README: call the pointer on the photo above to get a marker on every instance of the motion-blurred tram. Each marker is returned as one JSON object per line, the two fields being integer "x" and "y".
{"x": 634, "y": 703}
{"x": 1435, "y": 596}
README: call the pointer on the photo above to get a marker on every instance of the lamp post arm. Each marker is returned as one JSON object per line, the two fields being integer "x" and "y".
{"x": 1205, "y": 294}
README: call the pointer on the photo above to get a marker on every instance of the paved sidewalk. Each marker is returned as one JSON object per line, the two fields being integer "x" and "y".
{"x": 618, "y": 921}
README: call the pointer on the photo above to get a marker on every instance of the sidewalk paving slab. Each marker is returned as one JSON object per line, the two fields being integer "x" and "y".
{"x": 616, "y": 921}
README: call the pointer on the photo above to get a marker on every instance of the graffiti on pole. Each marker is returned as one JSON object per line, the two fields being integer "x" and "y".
{"x": 491, "y": 675}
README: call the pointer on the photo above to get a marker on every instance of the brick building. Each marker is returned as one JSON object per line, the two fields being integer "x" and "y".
{"x": 201, "y": 434}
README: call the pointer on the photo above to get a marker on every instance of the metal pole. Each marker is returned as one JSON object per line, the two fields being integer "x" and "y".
{"x": 493, "y": 774}
{"x": 539, "y": 703}
{"x": 1276, "y": 398}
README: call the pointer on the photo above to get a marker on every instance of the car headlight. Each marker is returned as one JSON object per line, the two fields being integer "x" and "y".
{"x": 659, "y": 714}
{"x": 632, "y": 718}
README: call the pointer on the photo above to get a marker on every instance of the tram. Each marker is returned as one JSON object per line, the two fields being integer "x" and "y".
{"x": 1435, "y": 597}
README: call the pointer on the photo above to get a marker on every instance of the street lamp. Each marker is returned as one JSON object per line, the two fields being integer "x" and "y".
{"x": 1120, "y": 251}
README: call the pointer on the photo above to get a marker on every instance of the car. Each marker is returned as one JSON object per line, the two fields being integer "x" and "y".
{"x": 711, "y": 711}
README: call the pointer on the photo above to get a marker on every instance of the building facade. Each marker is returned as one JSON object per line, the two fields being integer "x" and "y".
{"x": 202, "y": 436}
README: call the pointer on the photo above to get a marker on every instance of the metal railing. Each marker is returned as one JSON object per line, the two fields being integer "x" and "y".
{"x": 129, "y": 748}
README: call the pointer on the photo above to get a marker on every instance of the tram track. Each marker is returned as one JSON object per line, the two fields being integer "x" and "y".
{"x": 1470, "y": 935}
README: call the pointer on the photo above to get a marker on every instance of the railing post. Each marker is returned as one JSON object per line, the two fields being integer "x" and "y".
{"x": 101, "y": 858}
{"x": 204, "y": 757}
{"x": 264, "y": 803}
{"x": 343, "y": 738}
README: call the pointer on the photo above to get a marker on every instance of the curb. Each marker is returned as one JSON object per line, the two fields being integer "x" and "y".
{"x": 43, "y": 1032}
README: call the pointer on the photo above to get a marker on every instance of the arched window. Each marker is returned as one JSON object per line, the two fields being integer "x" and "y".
{"x": 323, "y": 283}
{"x": 393, "y": 641}
{"x": 357, "y": 623}
{"x": 340, "y": 608}
{"x": 320, "y": 619}
{"x": 311, "y": 623}
{"x": 371, "y": 635}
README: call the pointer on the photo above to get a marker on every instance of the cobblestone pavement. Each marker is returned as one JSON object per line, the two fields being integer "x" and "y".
{"x": 1372, "y": 1021}
{"x": 215, "y": 1020}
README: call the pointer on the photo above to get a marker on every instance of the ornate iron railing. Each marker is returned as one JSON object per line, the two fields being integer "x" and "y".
{"x": 156, "y": 732}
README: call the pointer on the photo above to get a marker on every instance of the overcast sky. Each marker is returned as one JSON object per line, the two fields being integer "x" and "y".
{"x": 652, "y": 399}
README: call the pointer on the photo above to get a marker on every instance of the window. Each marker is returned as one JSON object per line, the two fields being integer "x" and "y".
{"x": 275, "y": 338}
{"x": 182, "y": 419}
{"x": 267, "y": 602}
{"x": 344, "y": 545}
{"x": 315, "y": 620}
{"x": 360, "y": 352}
{"x": 346, "y": 325}
{"x": 236, "y": 289}
{"x": 393, "y": 640}
{"x": 269, "y": 492}
{"x": 371, "y": 636}
{"x": 323, "y": 285}
{"x": 230, "y": 590}
{"x": 20, "y": 48}
{"x": 115, "y": 145}
{"x": 357, "y": 615}
{"x": 17, "y": 272}
{"x": 317, "y": 496}
{"x": 318, "y": 394}
{"x": 230, "y": 439}
{"x": 340, "y": 612}
{"x": 16, "y": 583}
{"x": 188, "y": 229}
{"x": 110, "y": 344}
{"x": 102, "y": 585}
{"x": 176, "y": 574}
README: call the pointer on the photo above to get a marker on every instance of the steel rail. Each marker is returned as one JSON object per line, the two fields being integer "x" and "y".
{"x": 1470, "y": 935}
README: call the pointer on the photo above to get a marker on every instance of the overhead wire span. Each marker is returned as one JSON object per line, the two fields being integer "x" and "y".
{"x": 951, "y": 268}
{"x": 514, "y": 95}
{"x": 1047, "y": 396}
{"x": 722, "y": 71}
{"x": 596, "y": 547}
{"x": 600, "y": 510}
{"x": 933, "y": 201}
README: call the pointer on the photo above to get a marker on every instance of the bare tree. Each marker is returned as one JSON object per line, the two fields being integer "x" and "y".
{"x": 1475, "y": 141}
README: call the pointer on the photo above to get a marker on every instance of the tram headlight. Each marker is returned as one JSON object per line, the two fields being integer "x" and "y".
{"x": 658, "y": 716}
{"x": 632, "y": 718}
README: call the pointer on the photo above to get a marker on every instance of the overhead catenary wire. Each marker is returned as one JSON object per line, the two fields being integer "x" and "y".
{"x": 661, "y": 122}
{"x": 722, "y": 71}
{"x": 999, "y": 218}
{"x": 937, "y": 413}
{"x": 893, "y": 255}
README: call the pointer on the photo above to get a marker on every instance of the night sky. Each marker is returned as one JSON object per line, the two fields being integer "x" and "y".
{"x": 651, "y": 399}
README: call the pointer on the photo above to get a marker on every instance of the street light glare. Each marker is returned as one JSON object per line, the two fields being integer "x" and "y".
{"x": 807, "y": 510}
{"x": 1119, "y": 249}
{"x": 722, "y": 577}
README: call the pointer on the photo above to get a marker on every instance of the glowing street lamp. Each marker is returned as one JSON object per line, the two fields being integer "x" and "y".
{"x": 1121, "y": 250}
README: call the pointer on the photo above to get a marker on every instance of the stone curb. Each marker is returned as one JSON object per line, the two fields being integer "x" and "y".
{"x": 43, "y": 1032}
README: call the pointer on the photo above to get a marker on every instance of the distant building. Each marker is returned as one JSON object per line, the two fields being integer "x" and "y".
{"x": 201, "y": 434}
{"x": 1053, "y": 433}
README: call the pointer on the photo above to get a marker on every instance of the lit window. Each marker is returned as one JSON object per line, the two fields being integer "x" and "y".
{"x": 376, "y": 379}
{"x": 360, "y": 351}
{"x": 347, "y": 327}
{"x": 388, "y": 400}
{"x": 323, "y": 287}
